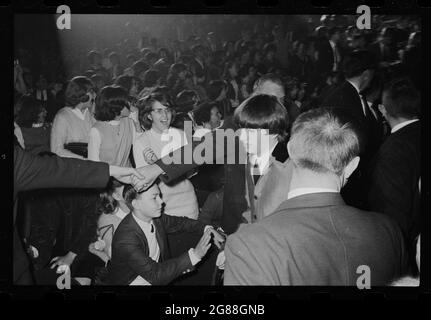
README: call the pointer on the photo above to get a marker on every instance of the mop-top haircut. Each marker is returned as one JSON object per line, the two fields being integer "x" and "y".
{"x": 323, "y": 141}
{"x": 263, "y": 111}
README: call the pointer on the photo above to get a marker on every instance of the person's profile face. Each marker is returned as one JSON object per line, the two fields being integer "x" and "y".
{"x": 134, "y": 89}
{"x": 149, "y": 203}
{"x": 255, "y": 141}
{"x": 215, "y": 117}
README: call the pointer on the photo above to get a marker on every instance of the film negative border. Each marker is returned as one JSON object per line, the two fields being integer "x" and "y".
{"x": 160, "y": 295}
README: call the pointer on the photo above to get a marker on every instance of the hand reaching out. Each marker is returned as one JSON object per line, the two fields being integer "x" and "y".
{"x": 124, "y": 174}
{"x": 203, "y": 245}
{"x": 147, "y": 176}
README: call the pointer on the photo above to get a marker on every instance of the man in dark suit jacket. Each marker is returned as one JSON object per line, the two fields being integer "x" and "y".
{"x": 348, "y": 98}
{"x": 37, "y": 172}
{"x": 140, "y": 251}
{"x": 314, "y": 238}
{"x": 234, "y": 201}
{"x": 396, "y": 169}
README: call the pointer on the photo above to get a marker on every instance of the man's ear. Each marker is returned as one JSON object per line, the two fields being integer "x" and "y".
{"x": 133, "y": 203}
{"x": 150, "y": 117}
{"x": 288, "y": 148}
{"x": 351, "y": 167}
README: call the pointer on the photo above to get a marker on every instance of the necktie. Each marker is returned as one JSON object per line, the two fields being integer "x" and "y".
{"x": 152, "y": 228}
{"x": 256, "y": 175}
{"x": 366, "y": 107}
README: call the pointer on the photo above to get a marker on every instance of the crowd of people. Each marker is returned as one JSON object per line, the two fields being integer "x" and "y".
{"x": 337, "y": 185}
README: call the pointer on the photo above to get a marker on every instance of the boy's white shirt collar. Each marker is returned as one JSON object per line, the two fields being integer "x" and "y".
{"x": 263, "y": 160}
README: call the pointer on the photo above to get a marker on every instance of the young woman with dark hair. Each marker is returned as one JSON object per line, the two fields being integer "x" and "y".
{"x": 112, "y": 135}
{"x": 151, "y": 81}
{"x": 217, "y": 93}
{"x": 111, "y": 208}
{"x": 73, "y": 122}
{"x": 176, "y": 78}
{"x": 156, "y": 115}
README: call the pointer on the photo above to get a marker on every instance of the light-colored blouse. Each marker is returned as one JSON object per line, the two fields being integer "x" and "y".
{"x": 70, "y": 125}
{"x": 180, "y": 198}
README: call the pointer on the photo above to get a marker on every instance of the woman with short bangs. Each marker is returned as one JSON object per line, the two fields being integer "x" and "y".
{"x": 156, "y": 115}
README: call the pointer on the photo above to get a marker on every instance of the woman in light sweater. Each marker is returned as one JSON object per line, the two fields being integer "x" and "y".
{"x": 73, "y": 122}
{"x": 112, "y": 136}
{"x": 159, "y": 139}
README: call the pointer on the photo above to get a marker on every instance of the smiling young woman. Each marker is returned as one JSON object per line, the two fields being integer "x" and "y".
{"x": 156, "y": 114}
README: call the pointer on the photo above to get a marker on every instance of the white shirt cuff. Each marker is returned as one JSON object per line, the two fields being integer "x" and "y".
{"x": 207, "y": 227}
{"x": 193, "y": 258}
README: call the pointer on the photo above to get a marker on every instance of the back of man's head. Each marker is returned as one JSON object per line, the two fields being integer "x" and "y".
{"x": 357, "y": 62}
{"x": 401, "y": 99}
{"x": 323, "y": 141}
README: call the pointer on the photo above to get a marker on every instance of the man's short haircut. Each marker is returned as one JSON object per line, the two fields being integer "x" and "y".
{"x": 263, "y": 111}
{"x": 357, "y": 62}
{"x": 126, "y": 81}
{"x": 214, "y": 89}
{"x": 269, "y": 77}
{"x": 129, "y": 194}
{"x": 110, "y": 102}
{"x": 404, "y": 100}
{"x": 77, "y": 90}
{"x": 139, "y": 67}
{"x": 150, "y": 77}
{"x": 185, "y": 100}
{"x": 323, "y": 141}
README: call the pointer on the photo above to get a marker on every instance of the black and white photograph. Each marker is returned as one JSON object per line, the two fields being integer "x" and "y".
{"x": 216, "y": 150}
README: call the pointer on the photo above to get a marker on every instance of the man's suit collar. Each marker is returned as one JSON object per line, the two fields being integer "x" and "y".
{"x": 141, "y": 233}
{"x": 312, "y": 200}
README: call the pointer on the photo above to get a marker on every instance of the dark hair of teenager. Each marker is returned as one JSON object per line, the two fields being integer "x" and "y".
{"x": 176, "y": 68}
{"x": 139, "y": 67}
{"x": 165, "y": 50}
{"x": 145, "y": 107}
{"x": 185, "y": 100}
{"x": 127, "y": 82}
{"x": 106, "y": 203}
{"x": 150, "y": 56}
{"x": 29, "y": 110}
{"x": 263, "y": 111}
{"x": 228, "y": 65}
{"x": 110, "y": 102}
{"x": 202, "y": 113}
{"x": 215, "y": 87}
{"x": 130, "y": 194}
{"x": 180, "y": 119}
{"x": 77, "y": 89}
{"x": 403, "y": 99}
{"x": 150, "y": 78}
